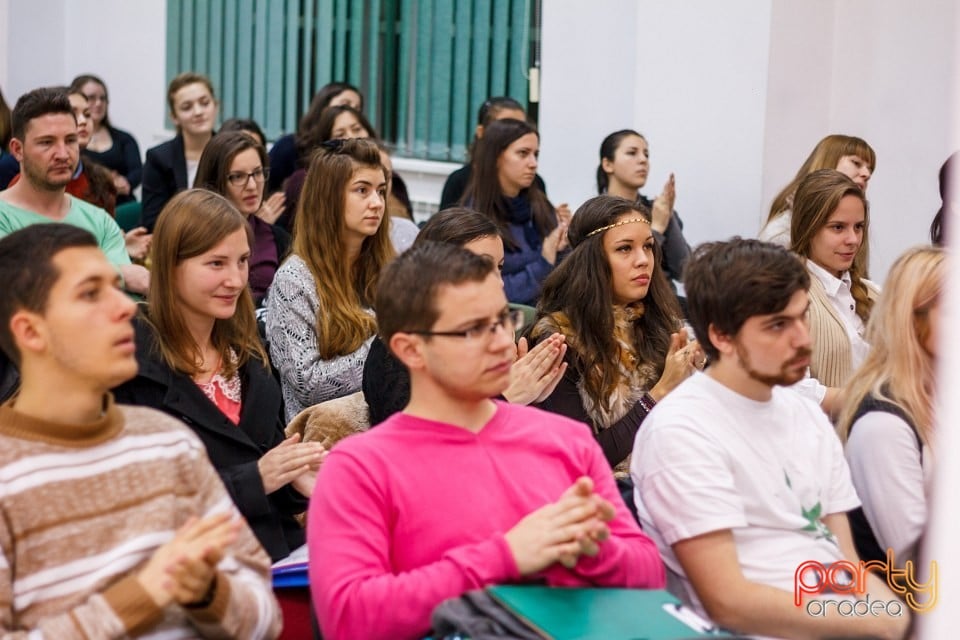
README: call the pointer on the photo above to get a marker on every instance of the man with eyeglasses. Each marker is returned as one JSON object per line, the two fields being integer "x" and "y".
{"x": 458, "y": 491}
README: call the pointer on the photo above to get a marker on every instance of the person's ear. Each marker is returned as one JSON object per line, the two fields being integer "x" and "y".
{"x": 29, "y": 332}
{"x": 607, "y": 165}
{"x": 16, "y": 148}
{"x": 408, "y": 349}
{"x": 478, "y": 132}
{"x": 722, "y": 342}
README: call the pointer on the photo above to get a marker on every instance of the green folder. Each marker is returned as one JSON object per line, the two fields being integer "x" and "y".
{"x": 600, "y": 614}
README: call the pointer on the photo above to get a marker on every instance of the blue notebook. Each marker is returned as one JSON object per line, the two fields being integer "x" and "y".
{"x": 603, "y": 614}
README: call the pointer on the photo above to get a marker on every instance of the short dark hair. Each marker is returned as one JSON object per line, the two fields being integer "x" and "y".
{"x": 28, "y": 273}
{"x": 36, "y": 103}
{"x": 491, "y": 107}
{"x": 728, "y": 282}
{"x": 407, "y": 292}
{"x": 244, "y": 124}
{"x": 457, "y": 225}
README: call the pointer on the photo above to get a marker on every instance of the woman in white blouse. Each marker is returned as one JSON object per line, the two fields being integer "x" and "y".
{"x": 829, "y": 229}
{"x": 887, "y": 422}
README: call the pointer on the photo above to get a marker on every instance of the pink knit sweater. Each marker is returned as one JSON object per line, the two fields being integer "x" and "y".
{"x": 414, "y": 512}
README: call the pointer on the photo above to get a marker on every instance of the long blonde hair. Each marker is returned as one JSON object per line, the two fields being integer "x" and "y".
{"x": 344, "y": 290}
{"x": 826, "y": 155}
{"x": 818, "y": 196}
{"x": 898, "y": 368}
{"x": 192, "y": 223}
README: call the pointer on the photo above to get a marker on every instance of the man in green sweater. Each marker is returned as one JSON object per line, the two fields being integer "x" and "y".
{"x": 113, "y": 523}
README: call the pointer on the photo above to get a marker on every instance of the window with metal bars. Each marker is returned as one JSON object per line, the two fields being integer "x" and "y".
{"x": 424, "y": 66}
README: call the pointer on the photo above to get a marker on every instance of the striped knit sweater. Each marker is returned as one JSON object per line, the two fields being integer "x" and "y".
{"x": 82, "y": 509}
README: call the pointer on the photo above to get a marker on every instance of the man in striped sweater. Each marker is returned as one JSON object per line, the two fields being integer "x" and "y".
{"x": 113, "y": 523}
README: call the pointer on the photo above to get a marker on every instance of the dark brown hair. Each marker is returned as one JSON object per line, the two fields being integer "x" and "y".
{"x": 309, "y": 140}
{"x": 28, "y": 273}
{"x": 484, "y": 192}
{"x": 406, "y": 295}
{"x": 581, "y": 288}
{"x": 729, "y": 282}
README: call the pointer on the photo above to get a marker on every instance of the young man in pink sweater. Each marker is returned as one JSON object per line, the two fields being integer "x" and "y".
{"x": 458, "y": 491}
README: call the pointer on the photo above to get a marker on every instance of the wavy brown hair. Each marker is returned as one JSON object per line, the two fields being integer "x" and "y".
{"x": 581, "y": 287}
{"x": 818, "y": 196}
{"x": 192, "y": 223}
{"x": 826, "y": 155}
{"x": 345, "y": 290}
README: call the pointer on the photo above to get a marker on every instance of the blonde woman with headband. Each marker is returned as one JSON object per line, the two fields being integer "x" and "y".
{"x": 887, "y": 422}
{"x": 625, "y": 345}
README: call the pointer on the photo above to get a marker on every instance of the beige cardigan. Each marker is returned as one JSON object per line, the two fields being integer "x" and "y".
{"x": 832, "y": 360}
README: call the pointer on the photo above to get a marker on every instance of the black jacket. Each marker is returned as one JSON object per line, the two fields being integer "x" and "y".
{"x": 164, "y": 174}
{"x": 233, "y": 449}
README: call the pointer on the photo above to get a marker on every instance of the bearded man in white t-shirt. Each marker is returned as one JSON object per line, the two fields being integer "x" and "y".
{"x": 740, "y": 481}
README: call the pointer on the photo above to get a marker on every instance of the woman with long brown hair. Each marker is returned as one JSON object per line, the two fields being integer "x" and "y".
{"x": 830, "y": 230}
{"x": 201, "y": 361}
{"x": 625, "y": 345}
{"x": 319, "y": 317}
{"x": 502, "y": 186}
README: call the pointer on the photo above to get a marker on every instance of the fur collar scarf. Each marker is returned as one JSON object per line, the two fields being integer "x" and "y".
{"x": 633, "y": 378}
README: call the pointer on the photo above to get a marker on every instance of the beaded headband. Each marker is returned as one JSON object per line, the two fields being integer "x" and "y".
{"x": 617, "y": 224}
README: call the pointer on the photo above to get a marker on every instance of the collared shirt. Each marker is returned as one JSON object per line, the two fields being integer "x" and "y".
{"x": 841, "y": 298}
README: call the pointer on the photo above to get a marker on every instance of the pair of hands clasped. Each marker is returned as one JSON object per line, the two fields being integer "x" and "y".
{"x": 184, "y": 569}
{"x": 562, "y": 531}
{"x": 291, "y": 462}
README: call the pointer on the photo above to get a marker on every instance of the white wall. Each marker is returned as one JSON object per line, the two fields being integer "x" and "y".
{"x": 47, "y": 42}
{"x": 733, "y": 96}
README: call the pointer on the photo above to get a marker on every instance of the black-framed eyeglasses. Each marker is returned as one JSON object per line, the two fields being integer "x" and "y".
{"x": 240, "y": 179}
{"x": 510, "y": 320}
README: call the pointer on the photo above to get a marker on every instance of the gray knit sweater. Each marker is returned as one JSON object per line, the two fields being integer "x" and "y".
{"x": 292, "y": 311}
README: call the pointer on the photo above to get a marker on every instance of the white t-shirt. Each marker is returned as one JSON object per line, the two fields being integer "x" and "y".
{"x": 708, "y": 459}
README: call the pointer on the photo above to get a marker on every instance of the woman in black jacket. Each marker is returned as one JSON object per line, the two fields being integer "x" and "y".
{"x": 201, "y": 361}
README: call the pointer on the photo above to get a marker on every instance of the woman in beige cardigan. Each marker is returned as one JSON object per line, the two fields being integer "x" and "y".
{"x": 829, "y": 229}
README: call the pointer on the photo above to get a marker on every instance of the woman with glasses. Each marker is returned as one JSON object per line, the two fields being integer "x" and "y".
{"x": 319, "y": 318}
{"x": 626, "y": 347}
{"x": 386, "y": 382}
{"x": 234, "y": 165}
{"x": 109, "y": 147}
{"x": 201, "y": 361}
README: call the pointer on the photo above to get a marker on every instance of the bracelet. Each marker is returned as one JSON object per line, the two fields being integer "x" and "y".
{"x": 647, "y": 402}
